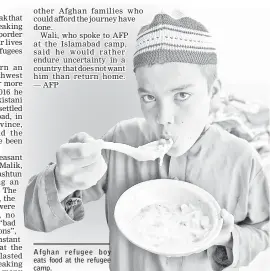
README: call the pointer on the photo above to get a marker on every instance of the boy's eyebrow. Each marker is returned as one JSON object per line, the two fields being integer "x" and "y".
{"x": 142, "y": 90}
{"x": 181, "y": 87}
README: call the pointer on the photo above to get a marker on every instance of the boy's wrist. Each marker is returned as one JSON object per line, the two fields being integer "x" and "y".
{"x": 61, "y": 192}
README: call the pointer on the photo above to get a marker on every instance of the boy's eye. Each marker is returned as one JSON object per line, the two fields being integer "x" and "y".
{"x": 181, "y": 96}
{"x": 148, "y": 98}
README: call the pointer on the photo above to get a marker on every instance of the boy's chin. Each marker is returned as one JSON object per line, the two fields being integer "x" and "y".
{"x": 176, "y": 151}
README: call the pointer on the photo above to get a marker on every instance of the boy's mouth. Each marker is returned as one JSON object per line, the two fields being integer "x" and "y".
{"x": 167, "y": 137}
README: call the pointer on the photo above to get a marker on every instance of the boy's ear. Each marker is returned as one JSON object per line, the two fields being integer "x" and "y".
{"x": 215, "y": 97}
{"x": 215, "y": 88}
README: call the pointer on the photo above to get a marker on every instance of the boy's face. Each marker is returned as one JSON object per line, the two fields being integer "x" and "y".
{"x": 175, "y": 102}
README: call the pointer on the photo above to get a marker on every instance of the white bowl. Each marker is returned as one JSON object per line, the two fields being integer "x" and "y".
{"x": 173, "y": 192}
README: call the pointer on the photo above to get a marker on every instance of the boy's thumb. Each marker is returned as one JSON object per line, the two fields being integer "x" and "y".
{"x": 228, "y": 219}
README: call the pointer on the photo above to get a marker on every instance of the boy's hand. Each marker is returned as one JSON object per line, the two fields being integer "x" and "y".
{"x": 225, "y": 236}
{"x": 79, "y": 164}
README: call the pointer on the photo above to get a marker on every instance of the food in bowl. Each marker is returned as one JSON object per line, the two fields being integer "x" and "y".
{"x": 135, "y": 204}
{"x": 165, "y": 222}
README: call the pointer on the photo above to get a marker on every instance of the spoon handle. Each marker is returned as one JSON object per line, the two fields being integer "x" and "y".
{"x": 123, "y": 148}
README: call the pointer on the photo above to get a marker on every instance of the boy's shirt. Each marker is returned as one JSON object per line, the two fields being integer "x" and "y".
{"x": 222, "y": 164}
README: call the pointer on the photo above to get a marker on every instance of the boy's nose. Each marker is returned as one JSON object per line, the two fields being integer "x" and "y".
{"x": 165, "y": 115}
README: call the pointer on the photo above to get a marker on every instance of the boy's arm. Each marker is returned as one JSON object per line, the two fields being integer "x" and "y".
{"x": 251, "y": 236}
{"x": 42, "y": 209}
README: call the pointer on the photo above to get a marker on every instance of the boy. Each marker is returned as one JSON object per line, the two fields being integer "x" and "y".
{"x": 175, "y": 67}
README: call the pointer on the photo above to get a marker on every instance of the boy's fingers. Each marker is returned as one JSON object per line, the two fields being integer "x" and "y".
{"x": 86, "y": 161}
{"x": 79, "y": 150}
{"x": 81, "y": 137}
{"x": 76, "y": 150}
{"x": 96, "y": 169}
